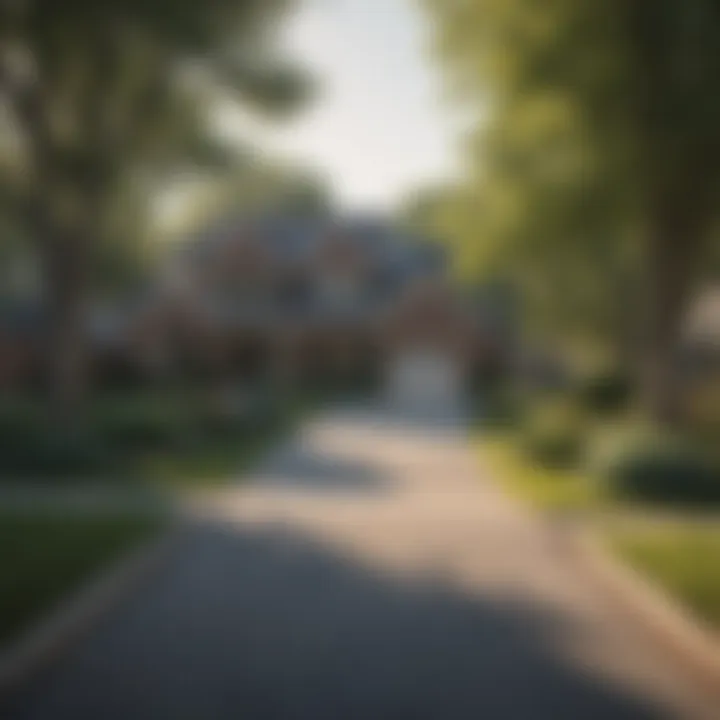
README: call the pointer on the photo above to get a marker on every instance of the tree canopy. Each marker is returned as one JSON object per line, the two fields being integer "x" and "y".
{"x": 593, "y": 161}
{"x": 106, "y": 98}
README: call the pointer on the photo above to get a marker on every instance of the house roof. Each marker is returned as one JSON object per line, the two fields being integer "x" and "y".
{"x": 293, "y": 239}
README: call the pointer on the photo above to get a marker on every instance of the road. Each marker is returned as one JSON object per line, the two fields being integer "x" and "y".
{"x": 369, "y": 569}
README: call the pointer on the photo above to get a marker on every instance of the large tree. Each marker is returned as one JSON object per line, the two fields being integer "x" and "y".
{"x": 109, "y": 93}
{"x": 597, "y": 151}
{"x": 674, "y": 61}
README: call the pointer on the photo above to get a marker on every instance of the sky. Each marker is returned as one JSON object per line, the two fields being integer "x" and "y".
{"x": 378, "y": 128}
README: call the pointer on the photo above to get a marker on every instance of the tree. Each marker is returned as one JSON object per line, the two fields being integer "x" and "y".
{"x": 257, "y": 185}
{"x": 106, "y": 93}
{"x": 675, "y": 71}
{"x": 596, "y": 150}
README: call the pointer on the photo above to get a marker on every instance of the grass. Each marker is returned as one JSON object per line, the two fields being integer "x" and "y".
{"x": 213, "y": 461}
{"x": 498, "y": 442}
{"x": 46, "y": 557}
{"x": 543, "y": 488}
{"x": 683, "y": 559}
{"x": 678, "y": 555}
{"x": 222, "y": 457}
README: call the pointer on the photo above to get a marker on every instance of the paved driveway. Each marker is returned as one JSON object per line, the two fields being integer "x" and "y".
{"x": 369, "y": 571}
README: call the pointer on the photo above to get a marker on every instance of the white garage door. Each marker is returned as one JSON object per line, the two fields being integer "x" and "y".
{"x": 424, "y": 380}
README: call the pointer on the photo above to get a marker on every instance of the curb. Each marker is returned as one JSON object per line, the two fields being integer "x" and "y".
{"x": 695, "y": 645}
{"x": 76, "y": 616}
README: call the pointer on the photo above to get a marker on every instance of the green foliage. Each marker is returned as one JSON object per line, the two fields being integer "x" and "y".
{"x": 606, "y": 393}
{"x": 229, "y": 440}
{"x": 145, "y": 436}
{"x": 497, "y": 405}
{"x": 552, "y": 446}
{"x": 35, "y": 453}
{"x": 683, "y": 559}
{"x": 144, "y": 427}
{"x": 593, "y": 159}
{"x": 553, "y": 433}
{"x": 108, "y": 100}
{"x": 47, "y": 557}
{"x": 546, "y": 488}
{"x": 659, "y": 469}
{"x": 33, "y": 448}
{"x": 248, "y": 411}
{"x": 253, "y": 186}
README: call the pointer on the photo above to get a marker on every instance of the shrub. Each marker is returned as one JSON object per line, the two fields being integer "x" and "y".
{"x": 18, "y": 418}
{"x": 237, "y": 410}
{"x": 701, "y": 407}
{"x": 144, "y": 426}
{"x": 37, "y": 452}
{"x": 552, "y": 434}
{"x": 116, "y": 371}
{"x": 553, "y": 447}
{"x": 30, "y": 448}
{"x": 490, "y": 373}
{"x": 499, "y": 406}
{"x": 663, "y": 470}
{"x": 216, "y": 419}
{"x": 606, "y": 392}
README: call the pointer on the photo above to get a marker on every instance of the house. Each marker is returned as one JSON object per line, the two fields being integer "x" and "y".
{"x": 293, "y": 298}
{"x": 284, "y": 298}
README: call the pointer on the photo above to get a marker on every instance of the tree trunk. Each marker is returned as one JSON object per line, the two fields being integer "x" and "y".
{"x": 671, "y": 260}
{"x": 67, "y": 358}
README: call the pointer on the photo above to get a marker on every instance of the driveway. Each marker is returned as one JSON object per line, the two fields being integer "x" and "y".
{"x": 369, "y": 570}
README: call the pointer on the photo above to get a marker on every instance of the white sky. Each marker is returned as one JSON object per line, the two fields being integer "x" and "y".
{"x": 378, "y": 129}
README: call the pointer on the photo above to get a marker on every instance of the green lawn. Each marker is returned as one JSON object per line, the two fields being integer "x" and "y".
{"x": 46, "y": 557}
{"x": 214, "y": 461}
{"x": 222, "y": 457}
{"x": 543, "y": 488}
{"x": 683, "y": 559}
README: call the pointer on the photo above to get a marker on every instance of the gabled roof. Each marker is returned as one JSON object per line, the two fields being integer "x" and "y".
{"x": 294, "y": 238}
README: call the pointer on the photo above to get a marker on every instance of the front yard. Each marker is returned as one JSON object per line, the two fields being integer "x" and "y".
{"x": 145, "y": 447}
{"x": 676, "y": 550}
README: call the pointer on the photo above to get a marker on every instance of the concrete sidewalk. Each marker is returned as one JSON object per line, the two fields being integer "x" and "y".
{"x": 368, "y": 572}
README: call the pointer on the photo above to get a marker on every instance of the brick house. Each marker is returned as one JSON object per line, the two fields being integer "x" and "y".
{"x": 297, "y": 299}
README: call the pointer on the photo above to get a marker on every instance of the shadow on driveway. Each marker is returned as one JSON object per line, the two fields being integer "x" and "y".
{"x": 302, "y": 467}
{"x": 267, "y": 623}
